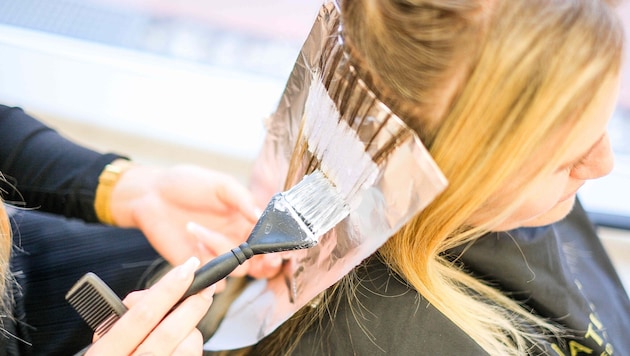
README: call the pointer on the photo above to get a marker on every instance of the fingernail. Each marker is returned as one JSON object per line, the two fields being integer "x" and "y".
{"x": 208, "y": 293}
{"x": 192, "y": 227}
{"x": 257, "y": 212}
{"x": 189, "y": 267}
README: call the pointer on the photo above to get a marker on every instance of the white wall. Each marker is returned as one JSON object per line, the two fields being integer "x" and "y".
{"x": 176, "y": 101}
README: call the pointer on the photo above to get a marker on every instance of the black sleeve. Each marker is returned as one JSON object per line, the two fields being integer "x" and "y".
{"x": 46, "y": 171}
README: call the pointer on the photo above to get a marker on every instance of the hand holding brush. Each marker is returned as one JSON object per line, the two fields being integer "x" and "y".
{"x": 294, "y": 219}
{"x": 163, "y": 330}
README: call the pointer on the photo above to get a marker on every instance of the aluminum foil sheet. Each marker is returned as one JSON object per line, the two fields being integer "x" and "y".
{"x": 405, "y": 181}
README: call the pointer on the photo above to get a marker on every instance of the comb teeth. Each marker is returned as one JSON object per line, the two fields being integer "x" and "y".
{"x": 318, "y": 202}
{"x": 96, "y": 303}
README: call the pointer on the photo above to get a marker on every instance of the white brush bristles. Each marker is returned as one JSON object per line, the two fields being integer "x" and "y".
{"x": 317, "y": 202}
{"x": 341, "y": 154}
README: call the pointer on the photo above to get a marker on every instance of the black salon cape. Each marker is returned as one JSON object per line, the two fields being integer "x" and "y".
{"x": 57, "y": 238}
{"x": 561, "y": 271}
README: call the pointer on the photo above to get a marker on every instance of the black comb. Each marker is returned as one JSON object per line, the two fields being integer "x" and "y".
{"x": 96, "y": 303}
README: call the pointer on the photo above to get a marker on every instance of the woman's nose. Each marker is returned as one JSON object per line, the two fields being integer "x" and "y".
{"x": 598, "y": 163}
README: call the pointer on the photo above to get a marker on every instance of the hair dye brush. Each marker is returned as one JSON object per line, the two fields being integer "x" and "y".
{"x": 293, "y": 219}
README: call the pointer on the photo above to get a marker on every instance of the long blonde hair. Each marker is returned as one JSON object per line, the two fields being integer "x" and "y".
{"x": 5, "y": 254}
{"x": 523, "y": 71}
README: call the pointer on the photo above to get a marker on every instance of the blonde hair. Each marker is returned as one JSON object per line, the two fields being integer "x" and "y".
{"x": 524, "y": 71}
{"x": 5, "y": 255}
{"x": 6, "y": 246}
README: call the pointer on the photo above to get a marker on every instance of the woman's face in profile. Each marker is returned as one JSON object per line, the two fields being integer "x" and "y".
{"x": 588, "y": 157}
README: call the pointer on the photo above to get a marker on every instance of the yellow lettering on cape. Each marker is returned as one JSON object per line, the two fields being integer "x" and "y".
{"x": 576, "y": 348}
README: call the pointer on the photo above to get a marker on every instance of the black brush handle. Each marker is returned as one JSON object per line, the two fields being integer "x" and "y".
{"x": 219, "y": 268}
{"x": 209, "y": 274}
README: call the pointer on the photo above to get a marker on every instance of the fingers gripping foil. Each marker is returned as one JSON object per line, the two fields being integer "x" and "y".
{"x": 325, "y": 112}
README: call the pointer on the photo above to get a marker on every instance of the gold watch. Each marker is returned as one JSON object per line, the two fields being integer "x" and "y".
{"x": 106, "y": 182}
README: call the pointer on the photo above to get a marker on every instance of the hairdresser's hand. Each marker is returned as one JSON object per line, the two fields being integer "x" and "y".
{"x": 146, "y": 329}
{"x": 161, "y": 202}
{"x": 171, "y": 206}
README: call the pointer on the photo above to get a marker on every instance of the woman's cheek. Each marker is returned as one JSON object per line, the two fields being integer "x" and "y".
{"x": 558, "y": 212}
{"x": 549, "y": 202}
{"x": 543, "y": 199}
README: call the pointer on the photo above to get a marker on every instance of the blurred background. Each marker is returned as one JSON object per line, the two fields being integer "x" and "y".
{"x": 165, "y": 81}
{"x": 191, "y": 81}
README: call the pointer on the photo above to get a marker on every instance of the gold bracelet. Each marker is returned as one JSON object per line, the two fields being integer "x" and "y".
{"x": 106, "y": 182}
